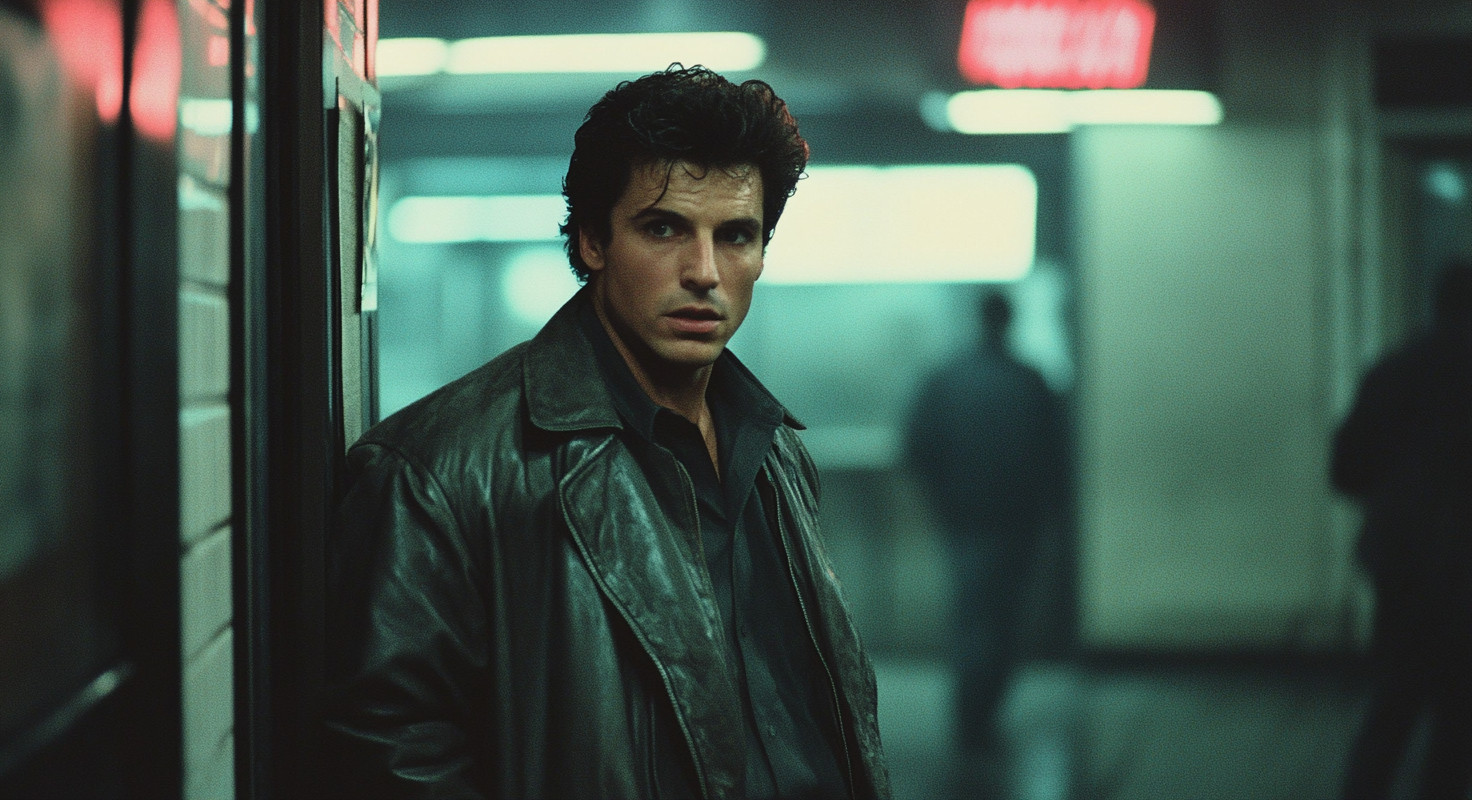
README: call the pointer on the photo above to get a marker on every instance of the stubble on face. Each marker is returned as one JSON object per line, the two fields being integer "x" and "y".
{"x": 674, "y": 281}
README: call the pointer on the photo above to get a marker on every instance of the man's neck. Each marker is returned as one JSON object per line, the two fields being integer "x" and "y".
{"x": 678, "y": 389}
{"x": 681, "y": 390}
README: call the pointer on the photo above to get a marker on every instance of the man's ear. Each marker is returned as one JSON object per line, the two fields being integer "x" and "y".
{"x": 591, "y": 250}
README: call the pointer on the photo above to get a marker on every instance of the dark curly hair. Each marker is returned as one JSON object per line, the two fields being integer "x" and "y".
{"x": 681, "y": 114}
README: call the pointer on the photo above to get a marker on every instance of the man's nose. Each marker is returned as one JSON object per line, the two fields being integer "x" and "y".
{"x": 700, "y": 272}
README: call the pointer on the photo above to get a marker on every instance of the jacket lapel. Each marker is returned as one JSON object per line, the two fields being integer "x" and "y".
{"x": 638, "y": 543}
{"x": 640, "y": 555}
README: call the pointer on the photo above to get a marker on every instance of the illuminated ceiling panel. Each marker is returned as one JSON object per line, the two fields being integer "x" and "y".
{"x": 907, "y": 224}
{"x": 569, "y": 53}
{"x": 1060, "y": 111}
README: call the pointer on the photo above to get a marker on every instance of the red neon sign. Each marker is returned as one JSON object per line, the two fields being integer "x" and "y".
{"x": 1057, "y": 44}
{"x": 89, "y": 41}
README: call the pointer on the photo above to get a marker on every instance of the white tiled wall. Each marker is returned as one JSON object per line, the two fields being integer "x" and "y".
{"x": 205, "y": 537}
{"x": 205, "y": 411}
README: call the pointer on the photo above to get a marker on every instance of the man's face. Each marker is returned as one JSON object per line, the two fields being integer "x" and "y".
{"x": 674, "y": 279}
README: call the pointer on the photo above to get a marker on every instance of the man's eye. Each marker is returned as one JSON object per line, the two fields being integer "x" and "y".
{"x": 738, "y": 236}
{"x": 660, "y": 229}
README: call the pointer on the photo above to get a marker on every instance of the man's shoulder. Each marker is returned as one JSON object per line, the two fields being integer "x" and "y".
{"x": 478, "y": 407}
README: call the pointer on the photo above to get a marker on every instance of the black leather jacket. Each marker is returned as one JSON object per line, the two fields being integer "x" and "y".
{"x": 516, "y": 611}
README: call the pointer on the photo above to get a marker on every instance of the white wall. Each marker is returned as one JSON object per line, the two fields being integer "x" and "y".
{"x": 1211, "y": 265}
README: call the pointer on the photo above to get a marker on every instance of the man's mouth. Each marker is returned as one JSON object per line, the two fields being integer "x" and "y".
{"x": 696, "y": 313}
{"x": 695, "y": 319}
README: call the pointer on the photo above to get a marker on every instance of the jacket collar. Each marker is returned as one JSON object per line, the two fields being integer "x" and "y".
{"x": 564, "y": 390}
{"x": 564, "y": 387}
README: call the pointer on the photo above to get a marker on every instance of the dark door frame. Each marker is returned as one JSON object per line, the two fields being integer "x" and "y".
{"x": 287, "y": 367}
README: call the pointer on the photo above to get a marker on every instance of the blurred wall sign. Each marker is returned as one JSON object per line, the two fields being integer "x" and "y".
{"x": 1057, "y": 44}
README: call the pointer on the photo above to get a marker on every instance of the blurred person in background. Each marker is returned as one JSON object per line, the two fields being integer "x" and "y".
{"x": 592, "y": 567}
{"x": 1405, "y": 453}
{"x": 986, "y": 439}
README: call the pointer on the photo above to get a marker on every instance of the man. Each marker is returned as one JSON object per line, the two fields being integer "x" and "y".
{"x": 1405, "y": 453}
{"x": 988, "y": 443}
{"x": 591, "y": 568}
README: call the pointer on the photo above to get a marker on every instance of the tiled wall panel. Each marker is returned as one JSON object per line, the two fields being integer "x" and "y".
{"x": 208, "y": 718}
{"x": 204, "y": 469}
{"x": 204, "y": 345}
{"x": 205, "y": 592}
{"x": 212, "y": 775}
{"x": 204, "y": 232}
{"x": 206, "y": 111}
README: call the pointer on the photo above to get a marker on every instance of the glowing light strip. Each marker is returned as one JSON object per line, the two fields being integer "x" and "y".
{"x": 946, "y": 223}
{"x": 1145, "y": 107}
{"x": 570, "y": 53}
{"x": 1056, "y": 111}
{"x": 495, "y": 218}
{"x": 411, "y": 56}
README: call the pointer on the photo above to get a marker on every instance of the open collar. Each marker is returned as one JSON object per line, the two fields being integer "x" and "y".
{"x": 565, "y": 388}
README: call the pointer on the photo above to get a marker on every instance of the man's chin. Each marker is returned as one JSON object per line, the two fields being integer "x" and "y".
{"x": 689, "y": 355}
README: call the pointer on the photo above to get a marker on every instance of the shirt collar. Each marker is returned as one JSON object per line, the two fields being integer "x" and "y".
{"x": 733, "y": 391}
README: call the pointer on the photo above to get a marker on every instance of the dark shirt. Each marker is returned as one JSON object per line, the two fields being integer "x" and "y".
{"x": 792, "y": 741}
{"x": 986, "y": 439}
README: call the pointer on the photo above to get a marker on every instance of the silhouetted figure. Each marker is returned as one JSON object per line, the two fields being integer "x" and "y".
{"x": 1405, "y": 452}
{"x": 987, "y": 441}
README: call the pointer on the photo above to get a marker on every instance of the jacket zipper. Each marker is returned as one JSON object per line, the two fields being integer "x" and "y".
{"x": 802, "y": 605}
{"x": 669, "y": 688}
{"x": 693, "y": 507}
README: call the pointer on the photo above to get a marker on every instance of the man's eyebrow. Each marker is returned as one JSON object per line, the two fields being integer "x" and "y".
{"x": 656, "y": 211}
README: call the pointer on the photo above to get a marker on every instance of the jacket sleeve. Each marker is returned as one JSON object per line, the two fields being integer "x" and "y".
{"x": 405, "y": 639}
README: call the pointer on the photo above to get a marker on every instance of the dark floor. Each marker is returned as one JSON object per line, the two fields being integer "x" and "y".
{"x": 1166, "y": 732}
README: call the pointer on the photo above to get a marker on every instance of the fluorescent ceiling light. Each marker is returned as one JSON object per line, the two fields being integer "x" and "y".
{"x": 410, "y": 56}
{"x": 1145, "y": 107}
{"x": 906, "y": 224}
{"x": 1060, "y": 111}
{"x": 604, "y": 52}
{"x": 1010, "y": 111}
{"x": 497, "y": 218}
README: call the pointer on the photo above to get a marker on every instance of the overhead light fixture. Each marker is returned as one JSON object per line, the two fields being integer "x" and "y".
{"x": 1059, "y": 111}
{"x": 723, "y": 51}
{"x": 410, "y": 56}
{"x": 923, "y": 223}
{"x": 1145, "y": 107}
{"x": 493, "y": 218}
{"x": 1009, "y": 111}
